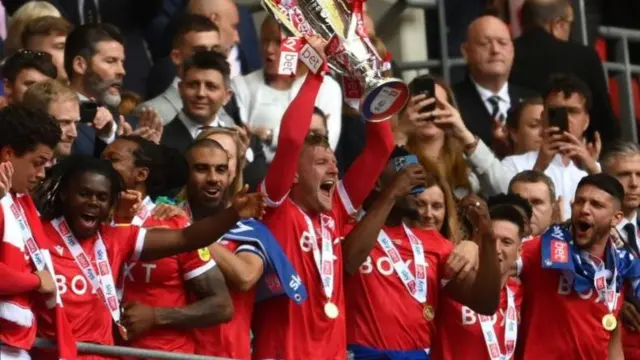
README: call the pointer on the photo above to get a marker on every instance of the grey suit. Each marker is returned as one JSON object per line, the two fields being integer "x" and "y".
{"x": 168, "y": 104}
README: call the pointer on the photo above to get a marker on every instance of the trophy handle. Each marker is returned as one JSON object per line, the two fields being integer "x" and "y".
{"x": 383, "y": 98}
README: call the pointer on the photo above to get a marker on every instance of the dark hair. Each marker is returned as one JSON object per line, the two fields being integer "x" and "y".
{"x": 167, "y": 167}
{"x": 208, "y": 60}
{"x": 537, "y": 13}
{"x": 508, "y": 212}
{"x": 515, "y": 113}
{"x": 45, "y": 26}
{"x": 604, "y": 182}
{"x": 27, "y": 59}
{"x": 23, "y": 129}
{"x": 568, "y": 84}
{"x": 48, "y": 195}
{"x": 83, "y": 42}
{"x": 511, "y": 199}
{"x": 533, "y": 176}
{"x": 192, "y": 23}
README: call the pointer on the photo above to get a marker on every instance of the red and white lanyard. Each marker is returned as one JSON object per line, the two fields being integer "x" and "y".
{"x": 324, "y": 259}
{"x": 606, "y": 292}
{"x": 29, "y": 242}
{"x": 144, "y": 212}
{"x": 416, "y": 285}
{"x": 510, "y": 330}
{"x": 102, "y": 282}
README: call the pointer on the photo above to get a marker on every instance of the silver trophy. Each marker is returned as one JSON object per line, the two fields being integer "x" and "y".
{"x": 349, "y": 51}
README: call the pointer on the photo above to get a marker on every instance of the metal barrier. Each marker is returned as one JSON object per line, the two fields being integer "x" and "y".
{"x": 86, "y": 348}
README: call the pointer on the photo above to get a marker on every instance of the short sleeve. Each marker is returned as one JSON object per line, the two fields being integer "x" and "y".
{"x": 530, "y": 257}
{"x": 134, "y": 243}
{"x": 195, "y": 263}
{"x": 239, "y": 247}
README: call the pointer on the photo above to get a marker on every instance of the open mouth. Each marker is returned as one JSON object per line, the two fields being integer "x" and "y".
{"x": 327, "y": 186}
{"x": 583, "y": 226}
{"x": 88, "y": 220}
{"x": 212, "y": 192}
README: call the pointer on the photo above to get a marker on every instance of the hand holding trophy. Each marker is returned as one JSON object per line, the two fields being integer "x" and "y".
{"x": 349, "y": 51}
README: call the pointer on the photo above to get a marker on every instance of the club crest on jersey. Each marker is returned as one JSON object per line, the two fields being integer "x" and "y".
{"x": 559, "y": 251}
{"x": 204, "y": 254}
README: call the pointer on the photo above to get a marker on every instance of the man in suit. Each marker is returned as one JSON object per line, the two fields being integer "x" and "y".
{"x": 543, "y": 50}
{"x": 193, "y": 33}
{"x": 485, "y": 96}
{"x": 204, "y": 89}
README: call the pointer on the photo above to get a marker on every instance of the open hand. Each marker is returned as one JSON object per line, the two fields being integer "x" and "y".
{"x": 594, "y": 148}
{"x": 577, "y": 151}
{"x": 462, "y": 262}
{"x": 249, "y": 205}
{"x": 150, "y": 125}
{"x": 124, "y": 128}
{"x": 166, "y": 211}
{"x": 6, "y": 174}
{"x": 630, "y": 316}
{"x": 138, "y": 319}
{"x": 103, "y": 122}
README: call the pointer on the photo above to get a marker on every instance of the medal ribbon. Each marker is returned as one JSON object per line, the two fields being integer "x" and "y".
{"x": 144, "y": 212}
{"x": 417, "y": 286}
{"x": 605, "y": 291}
{"x": 27, "y": 236}
{"x": 102, "y": 282}
{"x": 324, "y": 260}
{"x": 510, "y": 331}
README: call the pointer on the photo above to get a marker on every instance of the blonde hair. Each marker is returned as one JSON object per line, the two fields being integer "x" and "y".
{"x": 21, "y": 18}
{"x": 238, "y": 181}
{"x": 41, "y": 95}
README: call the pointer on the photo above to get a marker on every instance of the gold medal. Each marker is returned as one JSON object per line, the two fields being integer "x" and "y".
{"x": 609, "y": 322}
{"x": 428, "y": 313}
{"x": 331, "y": 310}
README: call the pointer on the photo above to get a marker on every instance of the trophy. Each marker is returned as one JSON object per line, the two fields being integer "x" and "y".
{"x": 349, "y": 51}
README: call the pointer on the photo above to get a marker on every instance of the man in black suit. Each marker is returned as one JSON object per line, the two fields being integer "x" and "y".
{"x": 485, "y": 96}
{"x": 543, "y": 50}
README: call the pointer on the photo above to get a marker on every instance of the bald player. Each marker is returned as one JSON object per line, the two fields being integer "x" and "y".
{"x": 488, "y": 51}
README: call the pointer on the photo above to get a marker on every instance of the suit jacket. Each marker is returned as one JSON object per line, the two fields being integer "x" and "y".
{"x": 538, "y": 55}
{"x": 474, "y": 112}
{"x": 168, "y": 104}
{"x": 88, "y": 143}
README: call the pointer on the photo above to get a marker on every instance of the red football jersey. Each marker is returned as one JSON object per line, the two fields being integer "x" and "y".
{"x": 631, "y": 344}
{"x": 456, "y": 321}
{"x": 231, "y": 340}
{"x": 161, "y": 283}
{"x": 285, "y": 330}
{"x": 380, "y": 311}
{"x": 88, "y": 316}
{"x": 557, "y": 322}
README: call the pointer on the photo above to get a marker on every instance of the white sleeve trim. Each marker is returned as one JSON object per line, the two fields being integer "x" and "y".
{"x": 346, "y": 201}
{"x": 271, "y": 203}
{"x": 142, "y": 233}
{"x": 199, "y": 271}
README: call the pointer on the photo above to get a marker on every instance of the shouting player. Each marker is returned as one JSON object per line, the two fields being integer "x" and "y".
{"x": 489, "y": 337}
{"x": 573, "y": 277}
{"x": 308, "y": 209}
{"x": 89, "y": 252}
{"x": 393, "y": 298}
{"x": 27, "y": 140}
{"x": 152, "y": 288}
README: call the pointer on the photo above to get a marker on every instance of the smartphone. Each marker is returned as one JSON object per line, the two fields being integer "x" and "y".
{"x": 401, "y": 162}
{"x": 424, "y": 84}
{"x": 559, "y": 117}
{"x": 88, "y": 110}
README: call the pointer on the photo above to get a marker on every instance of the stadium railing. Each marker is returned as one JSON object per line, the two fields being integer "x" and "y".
{"x": 87, "y": 348}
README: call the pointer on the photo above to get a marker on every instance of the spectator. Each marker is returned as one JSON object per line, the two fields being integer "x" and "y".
{"x": 564, "y": 157}
{"x": 263, "y": 95}
{"x": 59, "y": 101}
{"x": 48, "y": 34}
{"x": 231, "y": 142}
{"x": 543, "y": 50}
{"x": 20, "y": 18}
{"x": 485, "y": 96}
{"x": 428, "y": 141}
{"x": 524, "y": 126}
{"x": 539, "y": 190}
{"x": 24, "y": 69}
{"x": 193, "y": 33}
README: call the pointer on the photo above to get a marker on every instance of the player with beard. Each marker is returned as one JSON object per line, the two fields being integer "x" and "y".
{"x": 150, "y": 287}
{"x": 27, "y": 140}
{"x": 393, "y": 298}
{"x": 489, "y": 337}
{"x": 79, "y": 199}
{"x": 572, "y": 277}
{"x": 308, "y": 210}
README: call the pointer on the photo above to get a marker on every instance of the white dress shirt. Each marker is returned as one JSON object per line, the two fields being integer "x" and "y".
{"x": 195, "y": 128}
{"x": 633, "y": 221}
{"x": 234, "y": 62}
{"x": 565, "y": 178}
{"x": 504, "y": 100}
{"x": 262, "y": 106}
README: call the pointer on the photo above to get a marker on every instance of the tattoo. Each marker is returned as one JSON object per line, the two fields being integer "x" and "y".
{"x": 213, "y": 306}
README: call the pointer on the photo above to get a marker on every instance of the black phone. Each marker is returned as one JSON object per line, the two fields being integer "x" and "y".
{"x": 88, "y": 110}
{"x": 424, "y": 84}
{"x": 559, "y": 117}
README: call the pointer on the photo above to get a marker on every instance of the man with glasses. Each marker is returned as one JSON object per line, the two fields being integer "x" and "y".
{"x": 543, "y": 49}
{"x": 24, "y": 69}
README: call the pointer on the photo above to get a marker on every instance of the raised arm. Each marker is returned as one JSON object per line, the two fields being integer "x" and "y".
{"x": 363, "y": 173}
{"x": 243, "y": 269}
{"x": 213, "y": 307}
